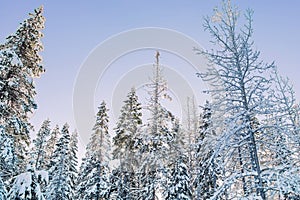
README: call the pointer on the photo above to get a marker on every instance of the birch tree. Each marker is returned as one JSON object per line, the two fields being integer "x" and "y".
{"x": 239, "y": 82}
{"x": 280, "y": 150}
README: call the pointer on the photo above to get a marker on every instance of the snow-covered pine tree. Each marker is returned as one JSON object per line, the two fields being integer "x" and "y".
{"x": 19, "y": 64}
{"x": 176, "y": 180}
{"x": 3, "y": 191}
{"x": 40, "y": 145}
{"x": 93, "y": 179}
{"x": 73, "y": 149}
{"x": 7, "y": 155}
{"x": 157, "y": 124}
{"x": 239, "y": 82}
{"x": 157, "y": 136}
{"x": 191, "y": 131}
{"x": 205, "y": 169}
{"x": 179, "y": 184}
{"x": 50, "y": 146}
{"x": 128, "y": 126}
{"x": 26, "y": 186}
{"x": 16, "y": 95}
{"x": 26, "y": 42}
{"x": 60, "y": 186}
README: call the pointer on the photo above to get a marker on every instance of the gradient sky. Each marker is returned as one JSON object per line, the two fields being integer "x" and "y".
{"x": 75, "y": 28}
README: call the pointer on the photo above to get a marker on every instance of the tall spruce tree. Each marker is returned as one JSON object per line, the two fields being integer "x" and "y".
{"x": 128, "y": 126}
{"x": 190, "y": 134}
{"x": 73, "y": 149}
{"x": 16, "y": 94}
{"x": 40, "y": 145}
{"x": 50, "y": 146}
{"x": 60, "y": 186}
{"x": 177, "y": 182}
{"x": 157, "y": 136}
{"x": 26, "y": 42}
{"x": 205, "y": 169}
{"x": 20, "y": 63}
{"x": 93, "y": 180}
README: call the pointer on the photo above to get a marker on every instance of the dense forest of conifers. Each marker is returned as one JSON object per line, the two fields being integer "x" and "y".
{"x": 243, "y": 144}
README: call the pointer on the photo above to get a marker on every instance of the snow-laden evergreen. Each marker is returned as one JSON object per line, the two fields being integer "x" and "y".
{"x": 158, "y": 123}
{"x": 40, "y": 145}
{"x": 94, "y": 174}
{"x": 190, "y": 134}
{"x": 20, "y": 63}
{"x": 177, "y": 180}
{"x": 246, "y": 144}
{"x": 26, "y": 42}
{"x": 128, "y": 125}
{"x": 50, "y": 146}
{"x": 156, "y": 138}
{"x": 3, "y": 191}
{"x": 26, "y": 186}
{"x": 16, "y": 95}
{"x": 72, "y": 156}
{"x": 179, "y": 184}
{"x": 60, "y": 186}
{"x": 127, "y": 131}
{"x": 7, "y": 155}
{"x": 206, "y": 172}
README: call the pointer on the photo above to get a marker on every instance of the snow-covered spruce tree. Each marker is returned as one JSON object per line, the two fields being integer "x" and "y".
{"x": 49, "y": 159}
{"x": 40, "y": 145}
{"x": 93, "y": 178}
{"x": 7, "y": 155}
{"x": 239, "y": 83}
{"x": 19, "y": 64}
{"x": 26, "y": 186}
{"x": 3, "y": 191}
{"x": 16, "y": 94}
{"x": 179, "y": 185}
{"x": 157, "y": 136}
{"x": 176, "y": 180}
{"x": 128, "y": 126}
{"x": 26, "y": 42}
{"x": 190, "y": 133}
{"x": 73, "y": 149}
{"x": 206, "y": 172}
{"x": 60, "y": 186}
{"x": 50, "y": 146}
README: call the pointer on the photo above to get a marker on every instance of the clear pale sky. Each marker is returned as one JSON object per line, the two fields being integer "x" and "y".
{"x": 75, "y": 28}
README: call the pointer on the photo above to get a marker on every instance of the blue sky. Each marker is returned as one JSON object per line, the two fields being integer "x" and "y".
{"x": 75, "y": 28}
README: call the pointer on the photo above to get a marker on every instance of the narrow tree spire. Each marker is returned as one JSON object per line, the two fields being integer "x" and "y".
{"x": 157, "y": 57}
